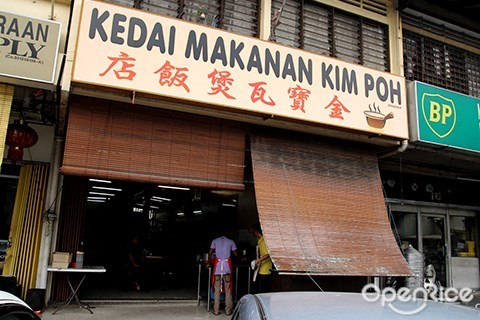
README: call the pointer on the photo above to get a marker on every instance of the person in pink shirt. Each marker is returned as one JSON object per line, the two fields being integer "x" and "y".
{"x": 222, "y": 271}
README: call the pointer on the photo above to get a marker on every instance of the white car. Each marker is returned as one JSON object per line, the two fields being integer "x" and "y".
{"x": 13, "y": 308}
{"x": 344, "y": 306}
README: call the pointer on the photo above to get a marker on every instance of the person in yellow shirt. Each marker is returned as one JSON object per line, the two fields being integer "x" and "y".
{"x": 263, "y": 261}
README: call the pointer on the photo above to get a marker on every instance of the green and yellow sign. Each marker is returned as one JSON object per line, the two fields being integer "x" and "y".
{"x": 444, "y": 117}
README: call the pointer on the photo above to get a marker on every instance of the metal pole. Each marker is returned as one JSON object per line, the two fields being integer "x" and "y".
{"x": 236, "y": 283}
{"x": 249, "y": 279}
{"x": 198, "y": 283}
{"x": 209, "y": 287}
{"x": 52, "y": 201}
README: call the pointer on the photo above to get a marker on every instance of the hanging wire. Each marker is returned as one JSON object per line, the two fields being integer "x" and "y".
{"x": 313, "y": 280}
{"x": 49, "y": 215}
{"x": 401, "y": 179}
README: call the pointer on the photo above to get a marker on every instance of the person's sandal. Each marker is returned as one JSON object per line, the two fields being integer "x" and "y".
{"x": 216, "y": 313}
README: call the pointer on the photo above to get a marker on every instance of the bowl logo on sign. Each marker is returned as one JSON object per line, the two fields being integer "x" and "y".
{"x": 375, "y": 118}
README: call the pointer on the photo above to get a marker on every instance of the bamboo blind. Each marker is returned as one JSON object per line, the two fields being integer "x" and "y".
{"x": 70, "y": 228}
{"x": 122, "y": 141}
{"x": 321, "y": 207}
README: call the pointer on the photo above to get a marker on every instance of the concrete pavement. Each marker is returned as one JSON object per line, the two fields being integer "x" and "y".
{"x": 151, "y": 310}
{"x": 182, "y": 310}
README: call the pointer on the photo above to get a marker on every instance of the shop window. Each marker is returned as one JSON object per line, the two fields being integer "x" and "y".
{"x": 329, "y": 31}
{"x": 463, "y": 236}
{"x": 239, "y": 17}
{"x": 404, "y": 226}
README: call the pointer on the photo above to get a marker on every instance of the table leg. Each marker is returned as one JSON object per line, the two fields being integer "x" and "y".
{"x": 74, "y": 294}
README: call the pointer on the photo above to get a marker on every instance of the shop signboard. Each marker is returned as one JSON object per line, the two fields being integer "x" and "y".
{"x": 28, "y": 47}
{"x": 443, "y": 117}
{"x": 145, "y": 53}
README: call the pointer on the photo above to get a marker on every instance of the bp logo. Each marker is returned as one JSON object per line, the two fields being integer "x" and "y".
{"x": 439, "y": 114}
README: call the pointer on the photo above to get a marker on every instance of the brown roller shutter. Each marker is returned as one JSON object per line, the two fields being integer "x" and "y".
{"x": 113, "y": 140}
{"x": 321, "y": 207}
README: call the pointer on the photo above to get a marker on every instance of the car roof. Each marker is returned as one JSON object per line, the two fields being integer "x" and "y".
{"x": 343, "y": 306}
{"x": 6, "y": 297}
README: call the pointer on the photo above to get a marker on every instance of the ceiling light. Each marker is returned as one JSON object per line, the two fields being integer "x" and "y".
{"x": 102, "y": 193}
{"x": 156, "y": 200}
{"x": 180, "y": 214}
{"x": 98, "y": 180}
{"x": 105, "y": 188}
{"x": 95, "y": 200}
{"x": 228, "y": 205}
{"x": 160, "y": 198}
{"x": 172, "y": 187}
{"x": 468, "y": 179}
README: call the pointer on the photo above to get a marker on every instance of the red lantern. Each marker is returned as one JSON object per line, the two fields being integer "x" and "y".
{"x": 19, "y": 136}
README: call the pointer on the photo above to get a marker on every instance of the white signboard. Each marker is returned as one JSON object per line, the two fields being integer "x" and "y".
{"x": 138, "y": 51}
{"x": 28, "y": 47}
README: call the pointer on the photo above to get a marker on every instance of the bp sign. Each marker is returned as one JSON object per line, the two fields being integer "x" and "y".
{"x": 439, "y": 114}
{"x": 444, "y": 117}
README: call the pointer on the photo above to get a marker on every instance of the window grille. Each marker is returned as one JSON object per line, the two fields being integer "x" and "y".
{"x": 441, "y": 64}
{"x": 232, "y": 15}
{"x": 165, "y": 7}
{"x": 425, "y": 24}
{"x": 375, "y": 6}
{"x": 241, "y": 17}
{"x": 288, "y": 31}
{"x": 329, "y": 31}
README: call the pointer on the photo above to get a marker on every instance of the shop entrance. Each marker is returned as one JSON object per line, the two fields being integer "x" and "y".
{"x": 425, "y": 229}
{"x": 446, "y": 236}
{"x": 174, "y": 227}
{"x": 434, "y": 242}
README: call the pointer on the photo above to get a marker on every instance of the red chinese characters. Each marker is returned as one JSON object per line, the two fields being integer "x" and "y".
{"x": 259, "y": 92}
{"x": 172, "y": 76}
{"x": 299, "y": 96}
{"x": 123, "y": 71}
{"x": 337, "y": 108}
{"x": 221, "y": 82}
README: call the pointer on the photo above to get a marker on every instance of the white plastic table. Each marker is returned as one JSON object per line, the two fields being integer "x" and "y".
{"x": 74, "y": 289}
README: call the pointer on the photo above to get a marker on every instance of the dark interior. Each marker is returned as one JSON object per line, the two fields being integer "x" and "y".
{"x": 175, "y": 226}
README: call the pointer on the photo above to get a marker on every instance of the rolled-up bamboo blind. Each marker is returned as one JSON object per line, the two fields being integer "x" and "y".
{"x": 113, "y": 140}
{"x": 70, "y": 227}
